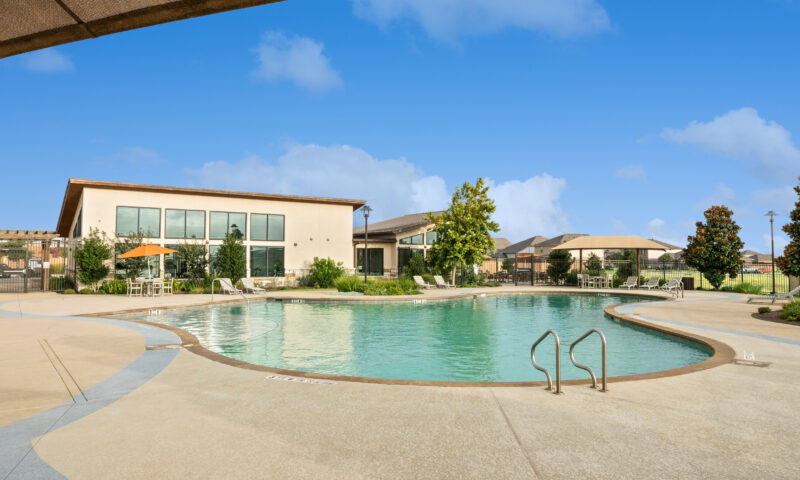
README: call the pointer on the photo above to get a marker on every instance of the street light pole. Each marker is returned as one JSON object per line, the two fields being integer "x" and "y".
{"x": 367, "y": 209}
{"x": 771, "y": 216}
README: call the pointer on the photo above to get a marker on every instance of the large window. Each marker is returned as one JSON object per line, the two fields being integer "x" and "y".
{"x": 266, "y": 227}
{"x": 174, "y": 266}
{"x": 413, "y": 240}
{"x": 220, "y": 223}
{"x": 143, "y": 221}
{"x": 76, "y": 232}
{"x": 430, "y": 238}
{"x": 375, "y": 261}
{"x": 185, "y": 223}
{"x": 404, "y": 257}
{"x": 266, "y": 262}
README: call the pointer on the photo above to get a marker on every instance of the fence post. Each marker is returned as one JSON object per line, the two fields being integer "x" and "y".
{"x": 516, "y": 269}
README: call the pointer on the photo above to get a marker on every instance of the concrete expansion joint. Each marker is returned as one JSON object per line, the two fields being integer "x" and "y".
{"x": 73, "y": 389}
{"x": 514, "y": 434}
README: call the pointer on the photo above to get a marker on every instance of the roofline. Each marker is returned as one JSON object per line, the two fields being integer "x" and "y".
{"x": 80, "y": 184}
{"x": 399, "y": 229}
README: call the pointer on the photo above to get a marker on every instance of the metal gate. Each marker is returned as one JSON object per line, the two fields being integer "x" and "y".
{"x": 34, "y": 266}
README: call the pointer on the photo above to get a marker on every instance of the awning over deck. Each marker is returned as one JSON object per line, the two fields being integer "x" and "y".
{"x": 599, "y": 242}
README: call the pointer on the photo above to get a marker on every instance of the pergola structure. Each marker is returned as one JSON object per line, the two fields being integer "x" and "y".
{"x": 32, "y": 235}
{"x": 27, "y": 25}
{"x": 599, "y": 242}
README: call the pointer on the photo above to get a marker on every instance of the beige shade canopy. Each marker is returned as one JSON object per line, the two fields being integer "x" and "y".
{"x": 27, "y": 25}
{"x": 598, "y": 242}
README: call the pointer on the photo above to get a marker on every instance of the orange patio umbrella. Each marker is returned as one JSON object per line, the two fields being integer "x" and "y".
{"x": 147, "y": 250}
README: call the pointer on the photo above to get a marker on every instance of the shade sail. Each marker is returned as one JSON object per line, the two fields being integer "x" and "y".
{"x": 597, "y": 242}
{"x": 146, "y": 250}
{"x": 27, "y": 25}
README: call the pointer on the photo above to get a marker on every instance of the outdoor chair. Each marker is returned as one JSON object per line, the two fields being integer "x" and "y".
{"x": 166, "y": 287}
{"x": 631, "y": 282}
{"x": 134, "y": 288}
{"x": 652, "y": 283}
{"x": 249, "y": 286}
{"x": 420, "y": 282}
{"x": 440, "y": 283}
{"x": 227, "y": 287}
{"x": 778, "y": 296}
{"x": 674, "y": 285}
{"x": 157, "y": 287}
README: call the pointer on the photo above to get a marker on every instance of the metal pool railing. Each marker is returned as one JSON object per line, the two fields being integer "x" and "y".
{"x": 584, "y": 367}
{"x": 558, "y": 361}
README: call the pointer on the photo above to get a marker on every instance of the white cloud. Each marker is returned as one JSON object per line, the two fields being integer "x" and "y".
{"x": 297, "y": 59}
{"x": 631, "y": 172}
{"x": 655, "y": 224}
{"x": 781, "y": 200}
{"x": 47, "y": 61}
{"x": 449, "y": 19}
{"x": 392, "y": 187}
{"x": 766, "y": 147}
{"x": 529, "y": 207}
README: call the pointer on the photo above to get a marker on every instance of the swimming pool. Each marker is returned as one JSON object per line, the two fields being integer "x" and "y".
{"x": 481, "y": 339}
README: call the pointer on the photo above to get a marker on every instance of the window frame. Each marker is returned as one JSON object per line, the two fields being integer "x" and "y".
{"x": 184, "y": 210}
{"x": 138, "y": 222}
{"x": 227, "y": 224}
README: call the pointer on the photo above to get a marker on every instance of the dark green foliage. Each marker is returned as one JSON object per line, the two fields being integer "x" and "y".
{"x": 789, "y": 262}
{"x": 114, "y": 287}
{"x": 666, "y": 258}
{"x": 231, "y": 262}
{"x": 401, "y": 286}
{"x": 133, "y": 266}
{"x": 509, "y": 266}
{"x": 559, "y": 264}
{"x": 194, "y": 254}
{"x": 416, "y": 265}
{"x": 69, "y": 291}
{"x": 14, "y": 252}
{"x": 763, "y": 310}
{"x": 747, "y": 288}
{"x": 625, "y": 262}
{"x": 715, "y": 249}
{"x": 90, "y": 258}
{"x": 571, "y": 278}
{"x": 791, "y": 311}
{"x": 594, "y": 266}
{"x": 324, "y": 271}
{"x": 58, "y": 284}
{"x": 84, "y": 291}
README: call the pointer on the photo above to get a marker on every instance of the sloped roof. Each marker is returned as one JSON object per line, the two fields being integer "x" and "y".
{"x": 520, "y": 246}
{"x": 666, "y": 245}
{"x": 599, "y": 242}
{"x": 501, "y": 243}
{"x": 397, "y": 224}
{"x": 555, "y": 241}
{"x": 27, "y": 25}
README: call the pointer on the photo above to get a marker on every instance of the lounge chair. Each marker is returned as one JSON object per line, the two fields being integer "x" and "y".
{"x": 631, "y": 282}
{"x": 778, "y": 296}
{"x": 674, "y": 285}
{"x": 249, "y": 286}
{"x": 420, "y": 282}
{"x": 652, "y": 283}
{"x": 226, "y": 286}
{"x": 440, "y": 283}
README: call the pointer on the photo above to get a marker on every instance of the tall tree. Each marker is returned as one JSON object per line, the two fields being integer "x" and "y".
{"x": 90, "y": 258}
{"x": 133, "y": 266}
{"x": 559, "y": 262}
{"x": 715, "y": 249}
{"x": 193, "y": 254}
{"x": 231, "y": 262}
{"x": 789, "y": 262}
{"x": 464, "y": 229}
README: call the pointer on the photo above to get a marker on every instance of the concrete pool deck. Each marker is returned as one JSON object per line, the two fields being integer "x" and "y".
{"x": 144, "y": 412}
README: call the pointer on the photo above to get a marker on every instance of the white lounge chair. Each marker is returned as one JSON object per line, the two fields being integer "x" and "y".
{"x": 226, "y": 286}
{"x": 440, "y": 283}
{"x": 420, "y": 282}
{"x": 652, "y": 283}
{"x": 249, "y": 286}
{"x": 674, "y": 285}
{"x": 631, "y": 282}
{"x": 778, "y": 296}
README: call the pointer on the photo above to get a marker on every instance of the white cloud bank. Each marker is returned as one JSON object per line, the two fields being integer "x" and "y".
{"x": 299, "y": 60}
{"x": 765, "y": 146}
{"x": 393, "y": 187}
{"x": 450, "y": 19}
{"x": 47, "y": 61}
{"x": 631, "y": 172}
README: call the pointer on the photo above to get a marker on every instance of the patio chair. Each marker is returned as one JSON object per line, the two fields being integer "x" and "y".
{"x": 440, "y": 283}
{"x": 631, "y": 282}
{"x": 778, "y": 296}
{"x": 157, "y": 287}
{"x": 420, "y": 282}
{"x": 652, "y": 283}
{"x": 134, "y": 288}
{"x": 166, "y": 287}
{"x": 674, "y": 285}
{"x": 227, "y": 287}
{"x": 249, "y": 286}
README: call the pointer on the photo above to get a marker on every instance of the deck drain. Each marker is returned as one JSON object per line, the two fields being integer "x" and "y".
{"x": 286, "y": 378}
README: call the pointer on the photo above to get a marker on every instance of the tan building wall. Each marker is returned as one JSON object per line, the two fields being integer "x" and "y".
{"x": 390, "y": 250}
{"x": 310, "y": 229}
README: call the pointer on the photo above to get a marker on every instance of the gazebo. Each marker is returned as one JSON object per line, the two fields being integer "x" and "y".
{"x": 616, "y": 242}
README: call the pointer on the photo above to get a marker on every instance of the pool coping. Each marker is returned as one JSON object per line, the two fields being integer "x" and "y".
{"x": 722, "y": 353}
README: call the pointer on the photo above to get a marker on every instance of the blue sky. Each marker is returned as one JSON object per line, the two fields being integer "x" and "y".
{"x": 600, "y": 117}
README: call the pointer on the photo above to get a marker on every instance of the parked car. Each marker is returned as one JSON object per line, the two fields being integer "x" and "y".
{"x": 33, "y": 269}
{"x": 750, "y": 269}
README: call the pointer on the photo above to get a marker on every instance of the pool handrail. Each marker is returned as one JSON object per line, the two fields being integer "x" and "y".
{"x": 584, "y": 367}
{"x": 558, "y": 361}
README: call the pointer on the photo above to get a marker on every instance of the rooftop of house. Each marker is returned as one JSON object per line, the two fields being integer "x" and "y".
{"x": 666, "y": 245}
{"x": 520, "y": 246}
{"x": 396, "y": 225}
{"x": 563, "y": 238}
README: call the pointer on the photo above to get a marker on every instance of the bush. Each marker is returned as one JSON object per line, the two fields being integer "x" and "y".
{"x": 197, "y": 290}
{"x": 763, "y": 310}
{"x": 748, "y": 288}
{"x": 471, "y": 279}
{"x": 114, "y": 287}
{"x": 571, "y": 278}
{"x": 194, "y": 255}
{"x": 401, "y": 286}
{"x": 231, "y": 262}
{"x": 428, "y": 278}
{"x": 791, "y": 311}
{"x": 90, "y": 258}
{"x": 85, "y": 291}
{"x": 324, "y": 271}
{"x": 69, "y": 291}
{"x": 594, "y": 265}
{"x": 416, "y": 265}
{"x": 508, "y": 265}
{"x": 559, "y": 263}
{"x": 350, "y": 284}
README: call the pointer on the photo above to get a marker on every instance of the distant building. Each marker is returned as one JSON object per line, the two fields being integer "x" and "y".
{"x": 675, "y": 251}
{"x": 392, "y": 243}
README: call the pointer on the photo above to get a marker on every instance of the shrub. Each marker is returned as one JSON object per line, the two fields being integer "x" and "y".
{"x": 428, "y": 279}
{"x": 194, "y": 254}
{"x": 508, "y": 265}
{"x": 559, "y": 263}
{"x": 90, "y": 257}
{"x": 791, "y": 311}
{"x": 324, "y": 271}
{"x": 571, "y": 278}
{"x": 84, "y": 291}
{"x": 594, "y": 265}
{"x": 231, "y": 261}
{"x": 349, "y": 284}
{"x": 114, "y": 287}
{"x": 763, "y": 310}
{"x": 416, "y": 265}
{"x": 197, "y": 290}
{"x": 69, "y": 291}
{"x": 748, "y": 288}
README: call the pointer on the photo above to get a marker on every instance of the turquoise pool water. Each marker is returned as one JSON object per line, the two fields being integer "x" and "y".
{"x": 485, "y": 339}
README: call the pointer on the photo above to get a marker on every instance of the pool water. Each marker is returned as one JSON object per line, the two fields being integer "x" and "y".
{"x": 482, "y": 339}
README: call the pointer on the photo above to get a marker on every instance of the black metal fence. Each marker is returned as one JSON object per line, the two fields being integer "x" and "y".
{"x": 35, "y": 266}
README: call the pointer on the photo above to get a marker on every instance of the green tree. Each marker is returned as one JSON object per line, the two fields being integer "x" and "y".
{"x": 464, "y": 229}
{"x": 324, "y": 271}
{"x": 789, "y": 262}
{"x": 416, "y": 265}
{"x": 626, "y": 263}
{"x": 133, "y": 266}
{"x": 593, "y": 264}
{"x": 509, "y": 266}
{"x": 715, "y": 249}
{"x": 559, "y": 263}
{"x": 231, "y": 262}
{"x": 194, "y": 255}
{"x": 90, "y": 258}
{"x": 666, "y": 258}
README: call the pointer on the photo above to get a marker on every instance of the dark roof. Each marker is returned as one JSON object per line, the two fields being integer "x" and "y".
{"x": 666, "y": 245}
{"x": 75, "y": 187}
{"x": 27, "y": 25}
{"x": 520, "y": 246}
{"x": 556, "y": 241}
{"x": 397, "y": 225}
